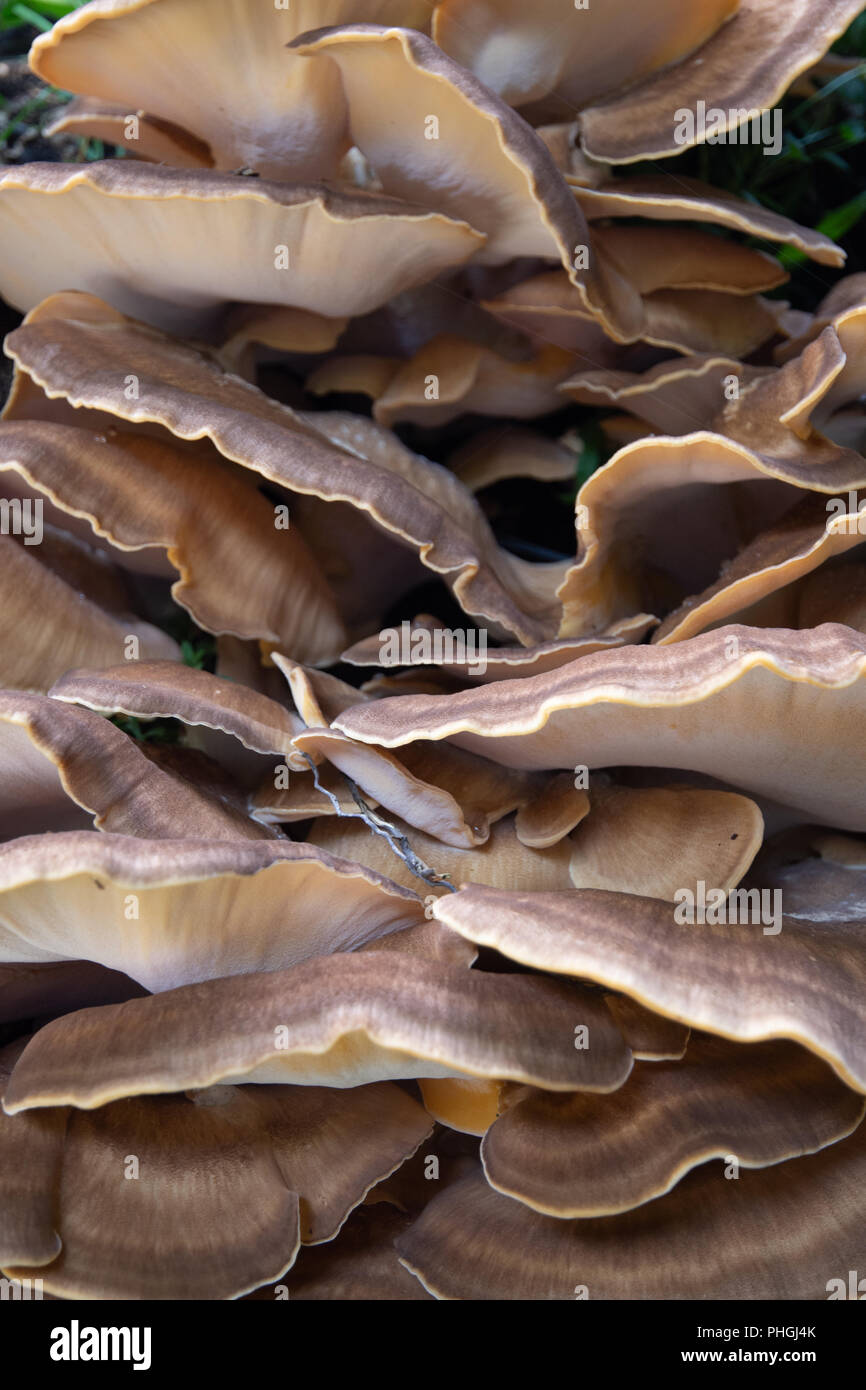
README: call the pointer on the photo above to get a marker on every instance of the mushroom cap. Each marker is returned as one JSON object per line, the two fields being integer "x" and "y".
{"x": 573, "y": 56}
{"x": 97, "y": 227}
{"x": 769, "y": 581}
{"x": 286, "y": 119}
{"x": 775, "y": 1233}
{"x": 745, "y": 67}
{"x": 337, "y": 459}
{"x": 503, "y": 859}
{"x": 470, "y": 379}
{"x": 684, "y": 258}
{"x": 651, "y": 1037}
{"x": 485, "y": 166}
{"x": 513, "y": 453}
{"x": 467, "y": 1106}
{"x": 189, "y": 909}
{"x": 501, "y": 663}
{"x": 726, "y": 977}
{"x": 49, "y": 621}
{"x": 655, "y": 840}
{"x": 339, "y": 1020}
{"x": 147, "y": 137}
{"x": 264, "y": 1167}
{"x": 709, "y": 704}
{"x": 665, "y": 196}
{"x": 31, "y": 1155}
{"x": 662, "y": 491}
{"x": 141, "y": 493}
{"x": 548, "y": 309}
{"x": 454, "y": 798}
{"x": 553, "y": 813}
{"x": 169, "y": 690}
{"x": 59, "y": 755}
{"x": 589, "y": 1156}
{"x": 676, "y": 396}
{"x": 254, "y": 333}
{"x": 722, "y": 561}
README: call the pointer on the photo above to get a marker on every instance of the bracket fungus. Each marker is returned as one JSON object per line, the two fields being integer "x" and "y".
{"x": 147, "y": 206}
{"x": 433, "y": 654}
{"x": 287, "y": 120}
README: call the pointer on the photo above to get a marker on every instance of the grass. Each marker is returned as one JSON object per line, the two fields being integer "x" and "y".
{"x": 41, "y": 14}
{"x": 24, "y": 115}
{"x": 26, "y": 106}
{"x": 817, "y": 179}
{"x": 148, "y": 730}
{"x": 594, "y": 452}
{"x": 198, "y": 649}
{"x": 199, "y": 654}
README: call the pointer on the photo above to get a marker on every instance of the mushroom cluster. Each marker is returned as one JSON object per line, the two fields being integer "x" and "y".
{"x": 518, "y": 959}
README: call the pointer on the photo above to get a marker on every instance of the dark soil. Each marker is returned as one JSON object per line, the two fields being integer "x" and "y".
{"x": 26, "y": 106}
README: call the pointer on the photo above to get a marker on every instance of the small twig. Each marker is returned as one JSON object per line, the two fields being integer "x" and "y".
{"x": 395, "y": 838}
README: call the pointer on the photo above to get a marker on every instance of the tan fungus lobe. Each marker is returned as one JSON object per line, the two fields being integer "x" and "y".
{"x": 169, "y": 690}
{"x": 292, "y": 1163}
{"x": 419, "y": 503}
{"x": 656, "y": 840}
{"x": 486, "y": 166}
{"x": 501, "y": 860}
{"x": 470, "y": 379}
{"x": 746, "y": 66}
{"x": 651, "y": 1037}
{"x": 775, "y": 1233}
{"x": 339, "y": 1020}
{"x": 57, "y": 755}
{"x": 802, "y": 982}
{"x": 553, "y": 814}
{"x": 48, "y": 624}
{"x": 709, "y": 704}
{"x": 139, "y": 493}
{"x": 167, "y": 912}
{"x": 500, "y": 663}
{"x": 577, "y": 57}
{"x": 665, "y": 196}
{"x": 588, "y": 1156}
{"x": 467, "y": 1106}
{"x": 286, "y": 119}
{"x": 95, "y": 227}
